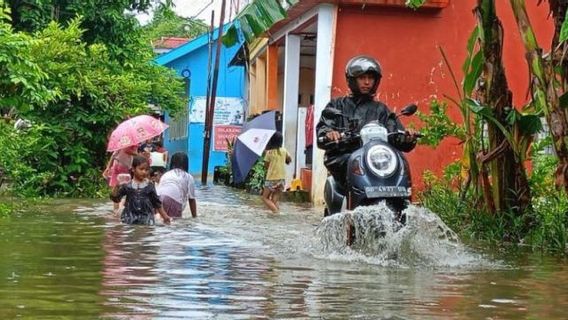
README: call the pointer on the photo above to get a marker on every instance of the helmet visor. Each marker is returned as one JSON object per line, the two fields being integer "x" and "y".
{"x": 361, "y": 65}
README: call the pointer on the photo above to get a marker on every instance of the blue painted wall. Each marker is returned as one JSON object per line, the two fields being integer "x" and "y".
{"x": 193, "y": 56}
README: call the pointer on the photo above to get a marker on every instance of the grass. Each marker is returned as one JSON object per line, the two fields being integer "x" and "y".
{"x": 472, "y": 222}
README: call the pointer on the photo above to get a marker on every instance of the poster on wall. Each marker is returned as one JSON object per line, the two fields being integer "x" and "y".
{"x": 228, "y": 110}
{"x": 224, "y": 133}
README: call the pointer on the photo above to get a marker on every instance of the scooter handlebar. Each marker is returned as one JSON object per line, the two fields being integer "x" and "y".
{"x": 325, "y": 139}
{"x": 416, "y": 134}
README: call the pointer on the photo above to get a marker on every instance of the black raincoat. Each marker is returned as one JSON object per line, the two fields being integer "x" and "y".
{"x": 364, "y": 110}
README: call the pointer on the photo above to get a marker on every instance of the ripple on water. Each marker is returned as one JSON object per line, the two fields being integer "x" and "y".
{"x": 238, "y": 261}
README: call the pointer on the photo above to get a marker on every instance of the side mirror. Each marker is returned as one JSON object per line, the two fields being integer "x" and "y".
{"x": 409, "y": 110}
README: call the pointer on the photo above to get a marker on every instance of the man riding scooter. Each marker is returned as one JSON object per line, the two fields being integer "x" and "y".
{"x": 363, "y": 75}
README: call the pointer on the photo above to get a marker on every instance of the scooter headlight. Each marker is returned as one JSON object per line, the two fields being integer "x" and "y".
{"x": 381, "y": 160}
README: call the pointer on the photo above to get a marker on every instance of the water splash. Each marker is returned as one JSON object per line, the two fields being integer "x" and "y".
{"x": 425, "y": 240}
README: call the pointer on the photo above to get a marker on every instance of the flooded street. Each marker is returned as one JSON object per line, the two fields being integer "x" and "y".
{"x": 237, "y": 261}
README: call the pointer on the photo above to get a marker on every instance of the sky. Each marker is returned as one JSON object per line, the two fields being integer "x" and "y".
{"x": 201, "y": 9}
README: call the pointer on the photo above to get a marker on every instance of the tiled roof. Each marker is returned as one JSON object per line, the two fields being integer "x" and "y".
{"x": 169, "y": 42}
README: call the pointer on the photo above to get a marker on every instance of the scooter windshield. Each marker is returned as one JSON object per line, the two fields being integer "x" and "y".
{"x": 373, "y": 131}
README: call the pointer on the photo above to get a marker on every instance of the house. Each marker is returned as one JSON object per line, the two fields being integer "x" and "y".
{"x": 191, "y": 61}
{"x": 300, "y": 60}
{"x": 166, "y": 44}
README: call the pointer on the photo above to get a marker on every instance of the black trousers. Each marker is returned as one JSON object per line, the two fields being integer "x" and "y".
{"x": 337, "y": 167}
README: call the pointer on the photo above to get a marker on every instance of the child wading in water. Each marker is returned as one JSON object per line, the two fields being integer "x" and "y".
{"x": 120, "y": 164}
{"x": 141, "y": 197}
{"x": 177, "y": 188}
{"x": 275, "y": 160}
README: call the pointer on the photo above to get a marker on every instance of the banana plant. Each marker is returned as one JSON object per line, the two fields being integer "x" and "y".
{"x": 503, "y": 157}
{"x": 549, "y": 79}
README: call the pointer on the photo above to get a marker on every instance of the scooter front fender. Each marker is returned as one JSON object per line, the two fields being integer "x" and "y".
{"x": 333, "y": 197}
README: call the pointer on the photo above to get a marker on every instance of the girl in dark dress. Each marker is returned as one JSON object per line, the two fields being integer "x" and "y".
{"x": 141, "y": 198}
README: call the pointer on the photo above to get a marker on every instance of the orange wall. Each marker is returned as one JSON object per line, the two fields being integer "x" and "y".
{"x": 272, "y": 78}
{"x": 405, "y": 42}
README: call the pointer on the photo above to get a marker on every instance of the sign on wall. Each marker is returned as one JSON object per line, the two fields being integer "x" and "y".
{"x": 228, "y": 110}
{"x": 224, "y": 133}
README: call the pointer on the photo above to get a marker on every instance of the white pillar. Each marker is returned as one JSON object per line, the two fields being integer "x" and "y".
{"x": 327, "y": 14}
{"x": 290, "y": 104}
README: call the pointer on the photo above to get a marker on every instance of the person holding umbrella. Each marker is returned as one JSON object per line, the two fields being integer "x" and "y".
{"x": 124, "y": 141}
{"x": 118, "y": 168}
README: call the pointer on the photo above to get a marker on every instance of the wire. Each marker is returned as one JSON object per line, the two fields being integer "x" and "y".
{"x": 203, "y": 9}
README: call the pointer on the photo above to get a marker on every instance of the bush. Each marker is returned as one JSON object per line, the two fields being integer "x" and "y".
{"x": 466, "y": 215}
{"x": 5, "y": 210}
{"x": 74, "y": 94}
{"x": 32, "y": 162}
{"x": 254, "y": 182}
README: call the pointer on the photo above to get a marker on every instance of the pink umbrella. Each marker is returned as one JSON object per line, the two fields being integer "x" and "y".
{"x": 134, "y": 131}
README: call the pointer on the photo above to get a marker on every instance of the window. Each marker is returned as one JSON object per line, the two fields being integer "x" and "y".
{"x": 178, "y": 125}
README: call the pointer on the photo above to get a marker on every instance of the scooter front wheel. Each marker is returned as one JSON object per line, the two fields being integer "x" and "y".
{"x": 398, "y": 206}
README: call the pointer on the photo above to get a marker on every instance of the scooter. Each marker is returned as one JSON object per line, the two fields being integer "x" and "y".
{"x": 376, "y": 171}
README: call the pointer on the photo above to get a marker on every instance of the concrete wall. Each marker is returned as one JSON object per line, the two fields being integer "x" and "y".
{"x": 406, "y": 44}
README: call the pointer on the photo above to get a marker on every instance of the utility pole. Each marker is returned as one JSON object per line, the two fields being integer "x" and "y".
{"x": 211, "y": 108}
{"x": 209, "y": 61}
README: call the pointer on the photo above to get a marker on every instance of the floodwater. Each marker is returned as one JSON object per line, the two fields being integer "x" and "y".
{"x": 73, "y": 259}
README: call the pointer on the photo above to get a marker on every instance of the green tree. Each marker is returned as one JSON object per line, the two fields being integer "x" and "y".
{"x": 74, "y": 93}
{"x": 21, "y": 81}
{"x": 165, "y": 23}
{"x": 112, "y": 23}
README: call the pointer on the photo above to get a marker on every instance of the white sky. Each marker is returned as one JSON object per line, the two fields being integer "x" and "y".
{"x": 202, "y": 9}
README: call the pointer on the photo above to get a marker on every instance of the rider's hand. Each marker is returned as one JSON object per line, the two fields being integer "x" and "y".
{"x": 410, "y": 136}
{"x": 333, "y": 135}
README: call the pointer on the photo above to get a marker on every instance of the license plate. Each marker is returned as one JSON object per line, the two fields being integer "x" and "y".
{"x": 387, "y": 192}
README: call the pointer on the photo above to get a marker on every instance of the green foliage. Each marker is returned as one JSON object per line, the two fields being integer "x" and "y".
{"x": 255, "y": 179}
{"x": 564, "y": 29}
{"x": 544, "y": 166}
{"x": 552, "y": 221}
{"x": 74, "y": 94}
{"x": 465, "y": 214}
{"x": 21, "y": 79}
{"x": 438, "y": 125}
{"x": 5, "y": 209}
{"x": 166, "y": 23}
{"x": 415, "y": 4}
{"x": 255, "y": 19}
{"x": 33, "y": 163}
{"x": 111, "y": 23}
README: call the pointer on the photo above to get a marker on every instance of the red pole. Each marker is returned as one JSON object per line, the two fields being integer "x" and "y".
{"x": 211, "y": 108}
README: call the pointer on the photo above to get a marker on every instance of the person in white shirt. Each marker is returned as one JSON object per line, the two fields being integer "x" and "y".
{"x": 177, "y": 188}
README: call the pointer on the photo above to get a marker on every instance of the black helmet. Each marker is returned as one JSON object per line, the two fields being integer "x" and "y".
{"x": 359, "y": 65}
